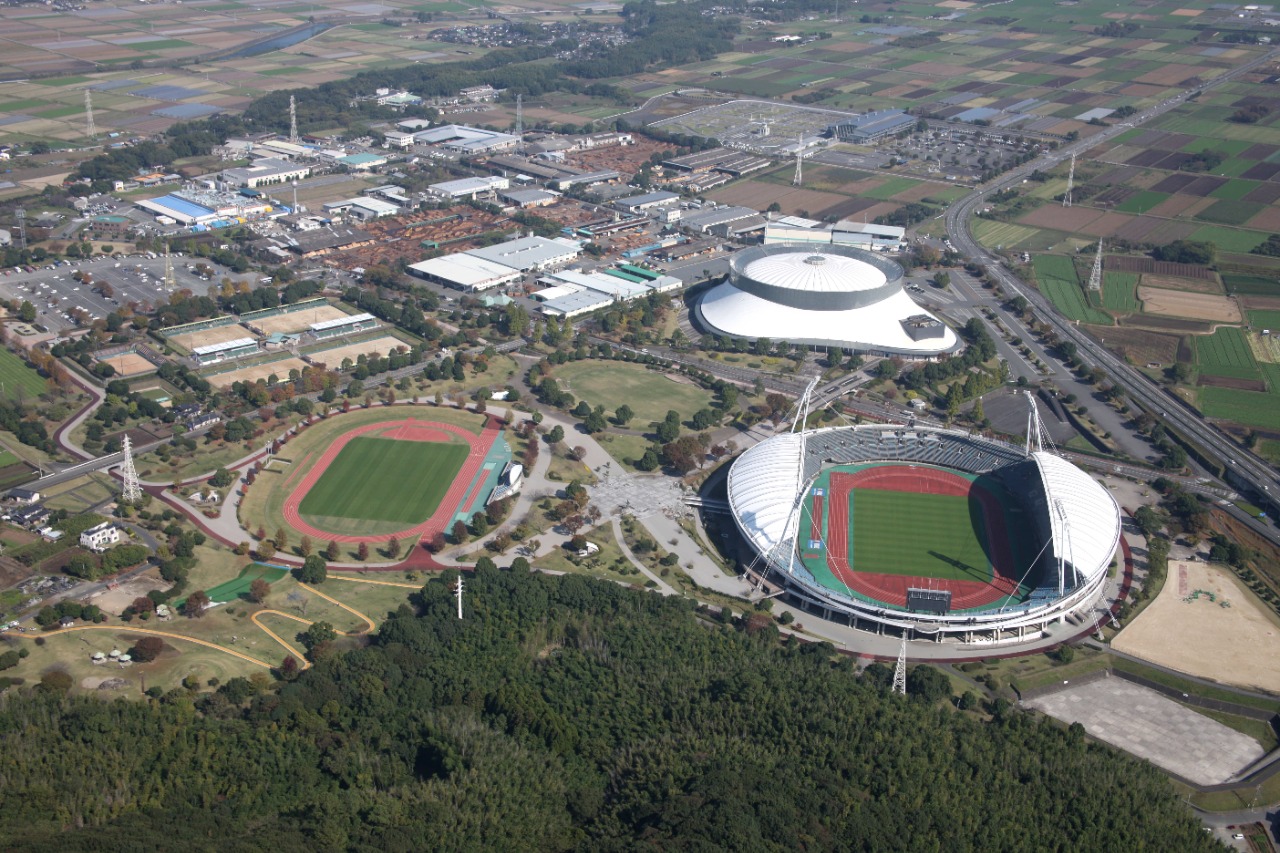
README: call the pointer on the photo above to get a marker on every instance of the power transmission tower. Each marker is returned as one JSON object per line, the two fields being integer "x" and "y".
{"x": 1071, "y": 182}
{"x": 458, "y": 594}
{"x": 293, "y": 120}
{"x": 1095, "y": 277}
{"x": 169, "y": 281}
{"x": 900, "y": 671}
{"x": 520, "y": 123}
{"x": 88, "y": 115}
{"x": 22, "y": 227}
{"x": 132, "y": 491}
{"x": 798, "y": 180}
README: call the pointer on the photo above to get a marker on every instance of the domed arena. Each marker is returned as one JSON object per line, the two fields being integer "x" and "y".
{"x": 829, "y": 296}
{"x": 926, "y": 532}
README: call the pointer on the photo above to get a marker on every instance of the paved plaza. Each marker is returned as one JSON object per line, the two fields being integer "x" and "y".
{"x": 1146, "y": 724}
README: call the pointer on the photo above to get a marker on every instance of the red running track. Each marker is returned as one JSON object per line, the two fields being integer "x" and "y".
{"x": 815, "y": 526}
{"x": 411, "y": 430}
{"x": 892, "y": 589}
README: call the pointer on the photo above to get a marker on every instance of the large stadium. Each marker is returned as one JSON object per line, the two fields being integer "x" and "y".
{"x": 925, "y": 532}
{"x": 828, "y": 296}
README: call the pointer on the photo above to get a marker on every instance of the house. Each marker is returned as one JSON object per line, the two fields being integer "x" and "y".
{"x": 101, "y": 537}
{"x": 23, "y": 497}
{"x": 201, "y": 421}
{"x": 31, "y": 516}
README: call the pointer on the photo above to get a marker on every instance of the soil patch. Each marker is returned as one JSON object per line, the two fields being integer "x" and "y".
{"x": 1178, "y": 303}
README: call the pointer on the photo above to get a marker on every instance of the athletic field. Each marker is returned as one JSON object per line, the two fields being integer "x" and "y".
{"x": 381, "y": 479}
{"x": 873, "y": 531}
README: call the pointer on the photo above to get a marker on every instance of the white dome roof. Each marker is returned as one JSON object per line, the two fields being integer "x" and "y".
{"x": 1084, "y": 517}
{"x": 816, "y": 272}
{"x": 762, "y": 488}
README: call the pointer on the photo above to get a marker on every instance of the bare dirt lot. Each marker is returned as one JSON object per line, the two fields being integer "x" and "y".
{"x": 1237, "y": 644}
{"x": 333, "y": 357}
{"x": 280, "y": 368}
{"x": 298, "y": 321}
{"x": 114, "y": 601}
{"x": 129, "y": 364}
{"x": 1179, "y": 303}
{"x": 216, "y": 335}
{"x": 1174, "y": 282}
{"x": 1141, "y": 346}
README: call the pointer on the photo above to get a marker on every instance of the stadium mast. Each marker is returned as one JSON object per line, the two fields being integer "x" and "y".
{"x": 131, "y": 493}
{"x": 791, "y": 529}
{"x": 1037, "y": 435}
{"x": 900, "y": 671}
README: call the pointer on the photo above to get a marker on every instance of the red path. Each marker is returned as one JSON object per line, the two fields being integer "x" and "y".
{"x": 892, "y": 589}
{"x": 407, "y": 430}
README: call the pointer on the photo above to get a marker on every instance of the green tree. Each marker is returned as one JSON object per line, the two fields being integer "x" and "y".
{"x": 313, "y": 570}
{"x": 623, "y": 415}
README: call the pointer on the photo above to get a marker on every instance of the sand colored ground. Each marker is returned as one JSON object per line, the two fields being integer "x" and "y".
{"x": 114, "y": 601}
{"x": 1198, "y": 306}
{"x": 129, "y": 364}
{"x": 1236, "y": 645}
{"x": 1176, "y": 282}
{"x": 333, "y": 357}
{"x": 280, "y": 368}
{"x": 298, "y": 321}
{"x": 216, "y": 335}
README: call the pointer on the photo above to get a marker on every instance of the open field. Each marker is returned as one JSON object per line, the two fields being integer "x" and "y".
{"x": 1234, "y": 644}
{"x": 129, "y": 364}
{"x": 1179, "y": 303}
{"x": 17, "y": 378}
{"x": 649, "y": 393}
{"x": 333, "y": 358}
{"x": 1251, "y": 408}
{"x": 1056, "y": 278}
{"x": 1118, "y": 292}
{"x": 207, "y": 337}
{"x": 381, "y": 479}
{"x": 297, "y": 321}
{"x": 279, "y": 368}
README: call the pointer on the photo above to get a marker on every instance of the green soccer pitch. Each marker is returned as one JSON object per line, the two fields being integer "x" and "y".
{"x": 920, "y": 535}
{"x": 380, "y": 479}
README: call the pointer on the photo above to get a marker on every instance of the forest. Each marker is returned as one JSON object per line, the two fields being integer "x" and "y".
{"x": 565, "y": 713}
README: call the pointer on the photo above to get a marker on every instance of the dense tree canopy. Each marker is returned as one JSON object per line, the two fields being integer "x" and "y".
{"x": 566, "y": 713}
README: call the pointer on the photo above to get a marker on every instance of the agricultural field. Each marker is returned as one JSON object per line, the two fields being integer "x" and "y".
{"x": 17, "y": 379}
{"x": 1056, "y": 278}
{"x": 1225, "y": 353}
{"x": 1119, "y": 292}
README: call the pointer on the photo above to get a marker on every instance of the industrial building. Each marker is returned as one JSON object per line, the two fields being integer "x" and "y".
{"x": 872, "y": 126}
{"x": 530, "y": 253}
{"x": 464, "y": 139}
{"x": 647, "y": 201}
{"x": 860, "y": 235}
{"x": 569, "y": 293}
{"x": 529, "y": 198}
{"x": 464, "y": 272}
{"x": 363, "y": 209}
{"x": 468, "y": 187}
{"x": 263, "y": 173}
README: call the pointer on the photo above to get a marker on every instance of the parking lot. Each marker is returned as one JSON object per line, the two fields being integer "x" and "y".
{"x": 55, "y": 292}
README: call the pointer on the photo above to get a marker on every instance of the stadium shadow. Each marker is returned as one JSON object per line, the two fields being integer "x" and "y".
{"x": 978, "y": 574}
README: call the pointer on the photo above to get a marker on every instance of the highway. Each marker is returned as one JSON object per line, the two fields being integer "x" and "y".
{"x": 1243, "y": 469}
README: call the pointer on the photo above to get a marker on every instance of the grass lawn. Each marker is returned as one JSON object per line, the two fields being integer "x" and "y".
{"x": 382, "y": 479}
{"x": 17, "y": 379}
{"x": 608, "y": 564}
{"x": 886, "y": 536}
{"x": 624, "y": 448}
{"x": 82, "y": 494}
{"x": 372, "y": 599}
{"x": 1119, "y": 292}
{"x": 649, "y": 393}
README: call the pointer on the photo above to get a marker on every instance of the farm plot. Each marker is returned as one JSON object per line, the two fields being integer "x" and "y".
{"x": 1226, "y": 353}
{"x": 1056, "y": 276}
{"x": 1118, "y": 292}
{"x": 251, "y": 374}
{"x": 1179, "y": 303}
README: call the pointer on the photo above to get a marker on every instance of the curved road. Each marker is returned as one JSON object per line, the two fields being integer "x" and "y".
{"x": 1242, "y": 467}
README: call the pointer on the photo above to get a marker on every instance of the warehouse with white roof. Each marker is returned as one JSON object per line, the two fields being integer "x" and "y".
{"x": 465, "y": 272}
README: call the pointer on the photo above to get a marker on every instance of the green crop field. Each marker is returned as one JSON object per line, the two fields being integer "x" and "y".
{"x": 1250, "y": 285}
{"x": 1227, "y": 350}
{"x": 17, "y": 378}
{"x": 379, "y": 479}
{"x": 1228, "y": 239}
{"x": 886, "y": 536}
{"x": 1265, "y": 320}
{"x": 1230, "y": 211}
{"x": 1056, "y": 276}
{"x": 1251, "y": 408}
{"x": 1119, "y": 292}
{"x": 1141, "y": 202}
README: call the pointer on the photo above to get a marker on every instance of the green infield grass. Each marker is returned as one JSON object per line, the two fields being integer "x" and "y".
{"x": 379, "y": 479}
{"x": 887, "y": 536}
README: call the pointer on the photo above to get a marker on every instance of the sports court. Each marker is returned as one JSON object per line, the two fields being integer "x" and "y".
{"x": 873, "y": 531}
{"x": 128, "y": 364}
{"x": 280, "y": 369}
{"x": 333, "y": 358}
{"x": 208, "y": 337}
{"x": 297, "y": 321}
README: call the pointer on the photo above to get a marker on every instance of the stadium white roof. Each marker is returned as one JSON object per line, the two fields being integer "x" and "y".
{"x": 762, "y": 488}
{"x": 465, "y": 271}
{"x": 339, "y": 322}
{"x": 816, "y": 271}
{"x": 875, "y": 327}
{"x": 1083, "y": 515}
{"x": 210, "y": 349}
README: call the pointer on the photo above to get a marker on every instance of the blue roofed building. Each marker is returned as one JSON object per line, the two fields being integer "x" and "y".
{"x": 872, "y": 126}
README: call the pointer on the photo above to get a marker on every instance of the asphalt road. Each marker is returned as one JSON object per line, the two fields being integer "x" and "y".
{"x": 1244, "y": 470}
